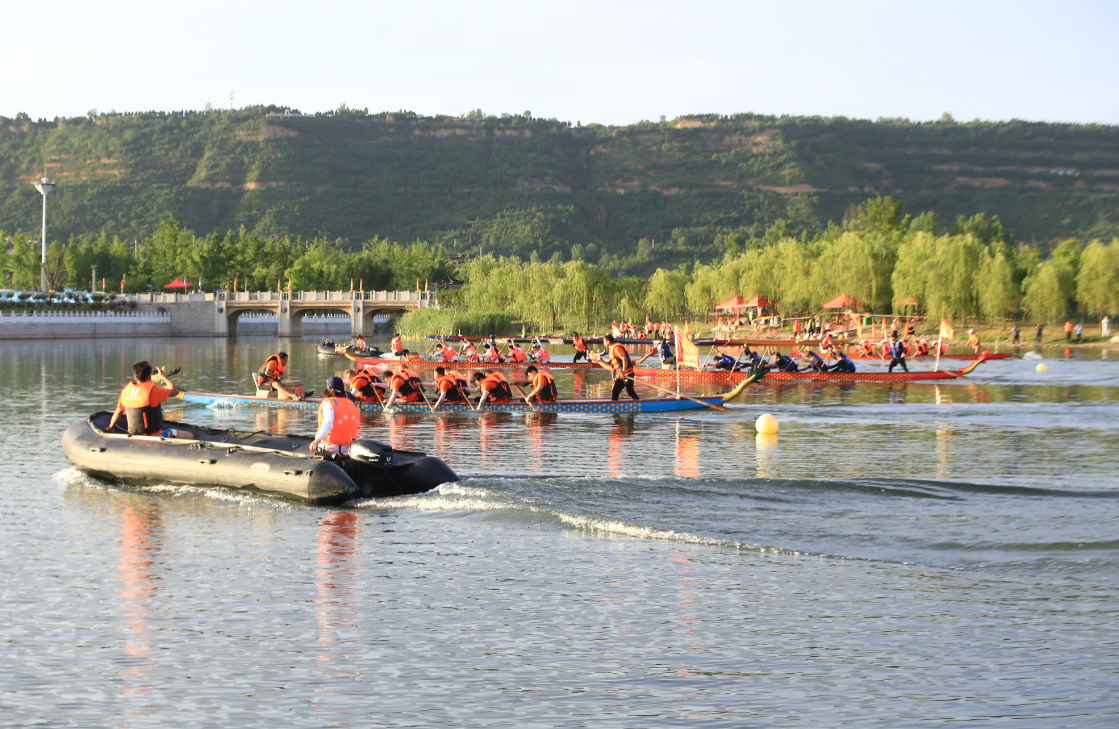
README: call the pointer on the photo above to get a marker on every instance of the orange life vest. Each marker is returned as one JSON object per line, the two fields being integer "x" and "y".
{"x": 453, "y": 384}
{"x": 517, "y": 353}
{"x": 397, "y": 345}
{"x": 620, "y": 361}
{"x": 347, "y": 417}
{"x": 543, "y": 356}
{"x": 145, "y": 417}
{"x": 449, "y": 353}
{"x": 362, "y": 386}
{"x": 407, "y": 385}
{"x": 471, "y": 353}
{"x": 497, "y": 387}
{"x": 272, "y": 369}
{"x": 547, "y": 385}
{"x": 493, "y": 355}
{"x": 580, "y": 345}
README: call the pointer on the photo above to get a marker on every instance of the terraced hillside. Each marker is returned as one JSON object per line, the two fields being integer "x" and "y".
{"x": 519, "y": 185}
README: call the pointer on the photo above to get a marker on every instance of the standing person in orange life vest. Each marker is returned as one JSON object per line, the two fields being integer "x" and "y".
{"x": 580, "y": 349}
{"x": 622, "y": 367}
{"x": 451, "y": 385}
{"x": 542, "y": 384}
{"x": 271, "y": 375}
{"x": 494, "y": 387}
{"x": 405, "y": 385}
{"x": 338, "y": 420}
{"x": 140, "y": 402}
{"x": 397, "y": 346}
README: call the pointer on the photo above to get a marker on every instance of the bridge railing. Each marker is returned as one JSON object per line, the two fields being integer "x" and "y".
{"x": 424, "y": 299}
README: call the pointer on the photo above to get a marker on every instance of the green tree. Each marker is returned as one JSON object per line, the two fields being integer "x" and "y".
{"x": 1097, "y": 281}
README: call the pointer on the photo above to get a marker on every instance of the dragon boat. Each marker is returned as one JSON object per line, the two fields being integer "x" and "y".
{"x": 863, "y": 376}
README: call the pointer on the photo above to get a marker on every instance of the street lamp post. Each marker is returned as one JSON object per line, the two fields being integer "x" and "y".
{"x": 93, "y": 285}
{"x": 44, "y": 186}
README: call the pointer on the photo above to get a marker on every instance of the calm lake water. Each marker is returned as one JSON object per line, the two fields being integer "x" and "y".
{"x": 912, "y": 555}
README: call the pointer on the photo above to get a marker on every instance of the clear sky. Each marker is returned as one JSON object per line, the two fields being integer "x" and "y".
{"x": 606, "y": 62}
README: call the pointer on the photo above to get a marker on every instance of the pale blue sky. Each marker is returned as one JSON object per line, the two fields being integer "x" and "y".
{"x": 607, "y": 62}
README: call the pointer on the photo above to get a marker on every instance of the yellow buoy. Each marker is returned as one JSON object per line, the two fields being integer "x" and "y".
{"x": 766, "y": 424}
{"x": 1042, "y": 367}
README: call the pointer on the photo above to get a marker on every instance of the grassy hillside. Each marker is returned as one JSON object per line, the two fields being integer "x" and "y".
{"x": 520, "y": 185}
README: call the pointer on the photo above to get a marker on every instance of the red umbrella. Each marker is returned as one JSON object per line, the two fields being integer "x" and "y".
{"x": 178, "y": 284}
{"x": 842, "y": 302}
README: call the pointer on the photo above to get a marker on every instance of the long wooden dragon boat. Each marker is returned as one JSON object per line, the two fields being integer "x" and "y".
{"x": 430, "y": 364}
{"x": 646, "y": 405}
{"x": 692, "y": 375}
{"x": 862, "y": 376}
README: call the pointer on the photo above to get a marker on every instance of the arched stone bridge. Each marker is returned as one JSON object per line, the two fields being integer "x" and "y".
{"x": 216, "y": 314}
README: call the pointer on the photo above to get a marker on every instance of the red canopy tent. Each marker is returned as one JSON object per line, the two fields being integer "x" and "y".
{"x": 738, "y": 304}
{"x": 758, "y": 303}
{"x": 843, "y": 302}
{"x": 178, "y": 284}
{"x": 735, "y": 304}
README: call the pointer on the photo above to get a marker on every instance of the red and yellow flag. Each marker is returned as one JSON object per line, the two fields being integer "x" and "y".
{"x": 946, "y": 330}
{"x": 687, "y": 352}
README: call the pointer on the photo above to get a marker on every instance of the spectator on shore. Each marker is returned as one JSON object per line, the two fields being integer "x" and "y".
{"x": 1016, "y": 335}
{"x": 1037, "y": 337}
{"x": 1105, "y": 326}
{"x": 1068, "y": 331}
{"x": 1079, "y": 332}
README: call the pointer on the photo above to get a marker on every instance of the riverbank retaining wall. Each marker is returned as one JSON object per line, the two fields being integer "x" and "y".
{"x": 83, "y": 325}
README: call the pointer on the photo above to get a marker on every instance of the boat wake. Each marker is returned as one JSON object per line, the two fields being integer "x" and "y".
{"x": 466, "y": 499}
{"x": 75, "y": 478}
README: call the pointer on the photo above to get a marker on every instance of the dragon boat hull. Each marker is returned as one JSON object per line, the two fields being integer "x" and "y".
{"x": 648, "y": 405}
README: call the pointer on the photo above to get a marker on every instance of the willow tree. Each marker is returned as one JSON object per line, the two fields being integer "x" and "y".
{"x": 666, "y": 296}
{"x": 1097, "y": 281}
{"x": 952, "y": 288}
{"x": 1049, "y": 288}
{"x": 857, "y": 264}
{"x": 999, "y": 294}
{"x": 915, "y": 265}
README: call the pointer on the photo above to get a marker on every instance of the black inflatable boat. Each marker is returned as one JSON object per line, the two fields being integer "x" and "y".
{"x": 276, "y": 464}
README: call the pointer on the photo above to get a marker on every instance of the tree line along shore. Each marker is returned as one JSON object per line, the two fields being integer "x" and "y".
{"x": 970, "y": 270}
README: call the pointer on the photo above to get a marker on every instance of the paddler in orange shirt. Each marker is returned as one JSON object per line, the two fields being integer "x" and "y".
{"x": 447, "y": 352}
{"x": 452, "y": 387}
{"x": 494, "y": 387}
{"x": 404, "y": 385}
{"x": 542, "y": 384}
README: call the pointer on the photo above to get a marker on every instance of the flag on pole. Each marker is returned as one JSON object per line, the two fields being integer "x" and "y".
{"x": 946, "y": 330}
{"x": 687, "y": 352}
{"x": 615, "y": 330}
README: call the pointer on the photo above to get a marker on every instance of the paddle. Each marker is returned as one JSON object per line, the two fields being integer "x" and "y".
{"x": 525, "y": 395}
